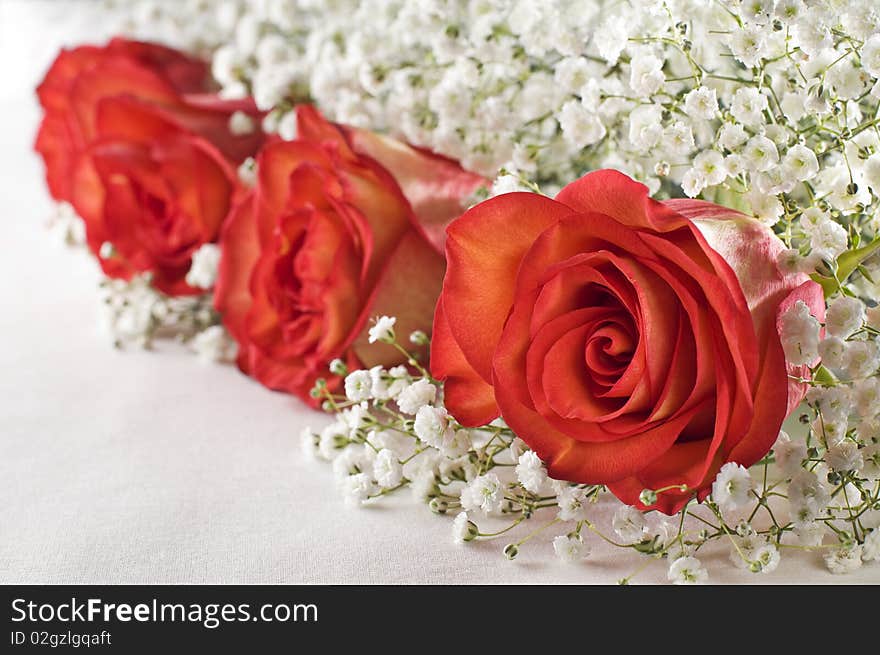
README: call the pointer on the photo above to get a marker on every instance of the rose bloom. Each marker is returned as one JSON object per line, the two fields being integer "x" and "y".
{"x": 329, "y": 238}
{"x": 134, "y": 140}
{"x": 629, "y": 342}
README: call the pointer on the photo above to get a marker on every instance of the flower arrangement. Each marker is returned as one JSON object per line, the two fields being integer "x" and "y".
{"x": 641, "y": 235}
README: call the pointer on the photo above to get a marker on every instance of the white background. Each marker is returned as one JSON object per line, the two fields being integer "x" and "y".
{"x": 134, "y": 467}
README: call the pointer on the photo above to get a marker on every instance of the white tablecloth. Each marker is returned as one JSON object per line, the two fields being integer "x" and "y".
{"x": 136, "y": 467}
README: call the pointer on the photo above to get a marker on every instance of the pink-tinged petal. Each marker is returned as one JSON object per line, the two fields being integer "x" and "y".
{"x": 467, "y": 396}
{"x": 435, "y": 186}
{"x": 484, "y": 249}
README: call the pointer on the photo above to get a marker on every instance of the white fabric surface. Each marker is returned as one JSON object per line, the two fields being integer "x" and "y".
{"x": 135, "y": 467}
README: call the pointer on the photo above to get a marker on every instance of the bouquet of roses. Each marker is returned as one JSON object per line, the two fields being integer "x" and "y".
{"x": 529, "y": 255}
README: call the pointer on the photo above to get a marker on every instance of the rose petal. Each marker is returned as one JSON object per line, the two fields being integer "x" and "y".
{"x": 482, "y": 268}
{"x": 466, "y": 395}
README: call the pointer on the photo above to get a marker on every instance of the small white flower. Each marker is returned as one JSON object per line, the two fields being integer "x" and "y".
{"x": 506, "y": 184}
{"x": 203, "y": 270}
{"x": 767, "y": 557}
{"x": 793, "y": 106}
{"x": 332, "y": 439}
{"x": 701, "y": 103}
{"x": 687, "y": 570}
{"x": 678, "y": 138}
{"x": 646, "y": 74}
{"x": 356, "y": 489}
{"x": 832, "y": 351}
{"x": 871, "y": 172}
{"x": 871, "y": 456}
{"x": 800, "y": 334}
{"x": 387, "y": 470}
{"x": 733, "y": 486}
{"x": 807, "y": 497}
{"x": 871, "y": 547}
{"x": 580, "y": 127}
{"x": 828, "y": 239}
{"x": 572, "y": 504}
{"x": 570, "y": 548}
{"x": 463, "y": 529}
{"x": 351, "y": 460}
{"x": 830, "y": 429}
{"x": 800, "y": 162}
{"x": 791, "y": 261}
{"x": 732, "y": 136}
{"x": 866, "y": 397}
{"x": 710, "y": 164}
{"x": 571, "y": 74}
{"x": 862, "y": 359}
{"x": 845, "y": 315}
{"x": 765, "y": 207}
{"x": 530, "y": 472}
{"x": 358, "y": 385}
{"x": 834, "y": 403}
{"x": 629, "y": 524}
{"x": 455, "y": 443}
{"x": 760, "y": 153}
{"x": 241, "y": 124}
{"x": 383, "y": 330}
{"x": 844, "y": 560}
{"x": 809, "y": 535}
{"x": 789, "y": 453}
{"x": 416, "y": 395}
{"x": 247, "y": 172}
{"x": 214, "y": 345}
{"x": 432, "y": 426}
{"x": 645, "y": 126}
{"x": 484, "y": 493}
{"x": 693, "y": 182}
{"x": 870, "y": 55}
{"x": 844, "y": 456}
{"x": 309, "y": 443}
{"x": 748, "y": 105}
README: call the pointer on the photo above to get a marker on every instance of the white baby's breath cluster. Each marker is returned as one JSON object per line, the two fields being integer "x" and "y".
{"x": 135, "y": 314}
{"x": 391, "y": 432}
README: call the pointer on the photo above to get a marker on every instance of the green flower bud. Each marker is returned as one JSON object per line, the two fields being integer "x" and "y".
{"x": 338, "y": 367}
{"x": 511, "y": 551}
{"x": 419, "y": 338}
{"x": 438, "y": 506}
{"x": 648, "y": 497}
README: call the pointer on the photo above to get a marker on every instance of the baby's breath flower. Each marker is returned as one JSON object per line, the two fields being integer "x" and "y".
{"x": 463, "y": 529}
{"x": 416, "y": 395}
{"x": 570, "y": 548}
{"x": 383, "y": 330}
{"x": 485, "y": 493}
{"x": 530, "y": 472}
{"x": 358, "y": 385}
{"x": 844, "y": 560}
{"x": 629, "y": 524}
{"x": 732, "y": 488}
{"x": 432, "y": 426}
{"x": 687, "y": 570}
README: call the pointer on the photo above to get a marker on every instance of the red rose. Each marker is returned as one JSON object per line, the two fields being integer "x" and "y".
{"x": 132, "y": 139}
{"x": 326, "y": 240}
{"x": 629, "y": 342}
